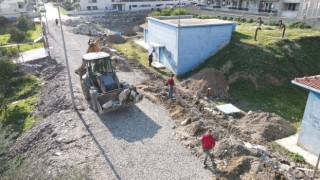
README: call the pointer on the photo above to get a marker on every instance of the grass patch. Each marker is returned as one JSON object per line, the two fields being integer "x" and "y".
{"x": 273, "y": 62}
{"x": 35, "y": 33}
{"x": 31, "y": 35}
{"x": 26, "y": 47}
{"x": 276, "y": 99}
{"x": 133, "y": 51}
{"x": 24, "y": 95}
{"x": 4, "y": 39}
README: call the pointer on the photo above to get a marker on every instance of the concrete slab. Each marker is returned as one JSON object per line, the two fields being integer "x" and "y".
{"x": 33, "y": 55}
{"x": 228, "y": 108}
{"x": 290, "y": 143}
{"x": 142, "y": 44}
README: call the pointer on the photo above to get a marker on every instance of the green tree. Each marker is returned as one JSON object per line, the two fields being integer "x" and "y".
{"x": 16, "y": 35}
{"x": 7, "y": 69}
{"x": 22, "y": 23}
{"x": 3, "y": 20}
{"x": 179, "y": 12}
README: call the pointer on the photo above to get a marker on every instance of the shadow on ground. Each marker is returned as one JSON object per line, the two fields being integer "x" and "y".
{"x": 134, "y": 125}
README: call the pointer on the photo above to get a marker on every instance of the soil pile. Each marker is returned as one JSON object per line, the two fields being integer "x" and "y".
{"x": 115, "y": 38}
{"x": 208, "y": 78}
{"x": 264, "y": 127}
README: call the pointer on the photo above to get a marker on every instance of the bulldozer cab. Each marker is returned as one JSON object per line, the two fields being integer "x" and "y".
{"x": 101, "y": 72}
{"x": 98, "y": 63}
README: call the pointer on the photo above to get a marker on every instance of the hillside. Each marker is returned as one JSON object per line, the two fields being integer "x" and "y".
{"x": 256, "y": 75}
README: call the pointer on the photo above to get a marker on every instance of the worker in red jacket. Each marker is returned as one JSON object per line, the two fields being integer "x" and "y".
{"x": 208, "y": 142}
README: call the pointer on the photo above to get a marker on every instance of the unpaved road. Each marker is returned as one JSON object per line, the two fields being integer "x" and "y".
{"x": 132, "y": 143}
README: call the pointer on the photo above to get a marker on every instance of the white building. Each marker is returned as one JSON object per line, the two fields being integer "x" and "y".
{"x": 12, "y": 8}
{"x": 127, "y": 5}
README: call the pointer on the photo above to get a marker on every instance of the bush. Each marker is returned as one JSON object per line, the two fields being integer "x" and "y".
{"x": 224, "y": 18}
{"x": 154, "y": 13}
{"x": 243, "y": 20}
{"x": 299, "y": 25}
{"x": 204, "y": 17}
{"x": 238, "y": 19}
{"x": 166, "y": 12}
{"x": 3, "y": 20}
{"x": 272, "y": 23}
{"x": 179, "y": 12}
{"x": 250, "y": 21}
{"x": 230, "y": 18}
{"x": 16, "y": 35}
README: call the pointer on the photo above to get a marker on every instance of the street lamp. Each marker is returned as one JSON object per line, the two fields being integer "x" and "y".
{"x": 67, "y": 63}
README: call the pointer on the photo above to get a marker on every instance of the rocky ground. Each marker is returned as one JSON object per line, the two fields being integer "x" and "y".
{"x": 242, "y": 150}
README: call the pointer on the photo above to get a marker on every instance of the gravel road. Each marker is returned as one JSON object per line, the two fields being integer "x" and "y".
{"x": 133, "y": 143}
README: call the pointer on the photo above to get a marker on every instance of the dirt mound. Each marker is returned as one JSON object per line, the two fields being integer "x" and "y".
{"x": 87, "y": 29}
{"x": 128, "y": 32}
{"x": 208, "y": 78}
{"x": 262, "y": 126}
{"x": 115, "y": 38}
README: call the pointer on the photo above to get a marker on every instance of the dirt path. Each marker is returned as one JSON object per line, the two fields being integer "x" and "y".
{"x": 132, "y": 143}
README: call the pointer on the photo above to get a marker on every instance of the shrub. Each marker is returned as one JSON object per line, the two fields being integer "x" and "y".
{"x": 154, "y": 13}
{"x": 230, "y": 18}
{"x": 224, "y": 18}
{"x": 179, "y": 11}
{"x": 204, "y": 17}
{"x": 299, "y": 25}
{"x": 243, "y": 20}
{"x": 238, "y": 19}
{"x": 3, "y": 20}
{"x": 166, "y": 12}
{"x": 272, "y": 23}
{"x": 16, "y": 35}
{"x": 22, "y": 24}
{"x": 250, "y": 21}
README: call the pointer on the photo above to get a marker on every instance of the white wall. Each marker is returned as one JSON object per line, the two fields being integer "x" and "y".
{"x": 309, "y": 135}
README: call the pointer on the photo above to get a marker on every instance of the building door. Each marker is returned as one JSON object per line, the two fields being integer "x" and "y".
{"x": 161, "y": 55}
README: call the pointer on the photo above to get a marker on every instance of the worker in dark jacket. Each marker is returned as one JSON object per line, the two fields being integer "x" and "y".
{"x": 150, "y": 59}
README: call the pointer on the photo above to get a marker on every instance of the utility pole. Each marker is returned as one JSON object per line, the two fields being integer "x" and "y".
{"x": 47, "y": 22}
{"x": 67, "y": 63}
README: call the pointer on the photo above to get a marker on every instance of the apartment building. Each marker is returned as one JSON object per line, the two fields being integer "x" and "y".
{"x": 301, "y": 9}
{"x": 127, "y": 5}
{"x": 309, "y": 9}
{"x": 12, "y": 8}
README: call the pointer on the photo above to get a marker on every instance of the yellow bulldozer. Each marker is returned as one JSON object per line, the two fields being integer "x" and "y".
{"x": 99, "y": 82}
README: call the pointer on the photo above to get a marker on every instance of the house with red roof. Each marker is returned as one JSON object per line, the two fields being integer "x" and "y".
{"x": 309, "y": 135}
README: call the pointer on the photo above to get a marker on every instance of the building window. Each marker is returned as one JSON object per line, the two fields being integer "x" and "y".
{"x": 94, "y": 7}
{"x": 88, "y": 8}
{"x": 93, "y": 1}
{"x": 134, "y": 6}
{"x": 291, "y": 7}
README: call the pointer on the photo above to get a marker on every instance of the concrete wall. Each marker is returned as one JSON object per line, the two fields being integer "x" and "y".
{"x": 166, "y": 35}
{"x": 309, "y": 135}
{"x": 182, "y": 49}
{"x": 198, "y": 43}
